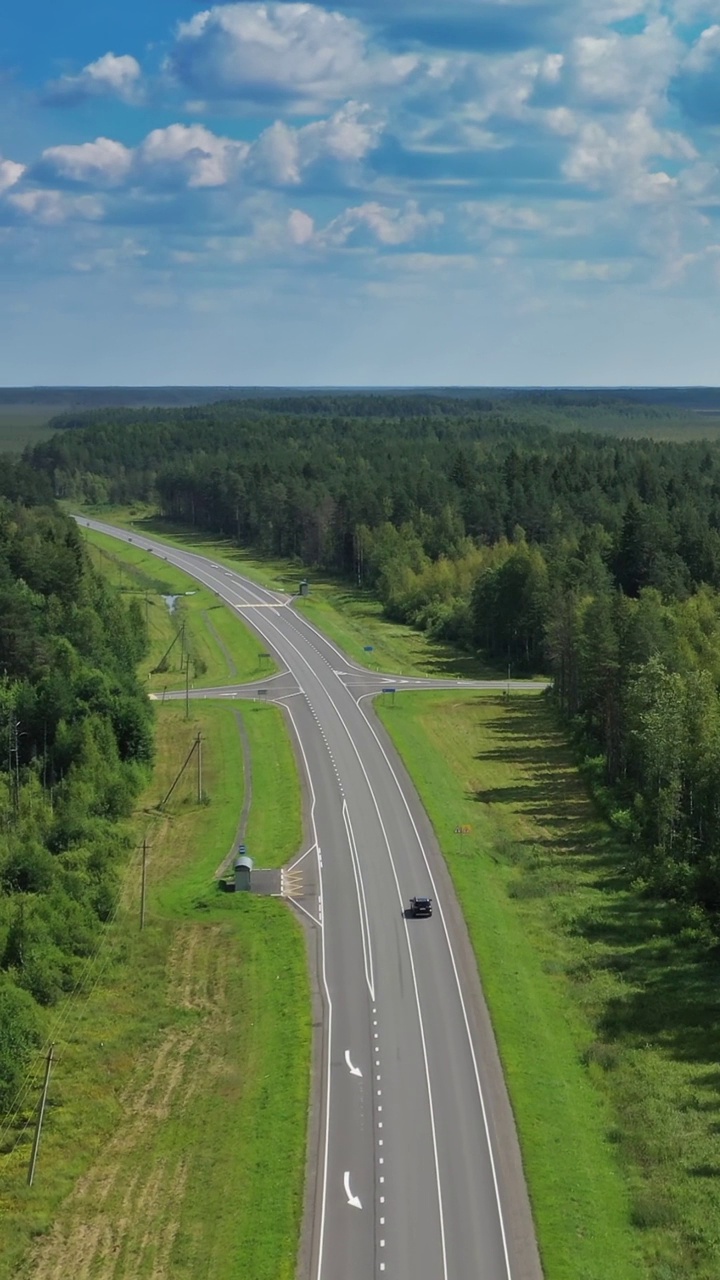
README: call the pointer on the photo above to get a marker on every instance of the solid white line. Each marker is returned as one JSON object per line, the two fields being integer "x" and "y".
{"x": 302, "y": 858}
{"x": 362, "y": 903}
{"x": 300, "y": 907}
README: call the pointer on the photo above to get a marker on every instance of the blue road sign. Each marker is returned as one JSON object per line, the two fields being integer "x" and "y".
{"x": 389, "y": 690}
{"x": 368, "y": 648}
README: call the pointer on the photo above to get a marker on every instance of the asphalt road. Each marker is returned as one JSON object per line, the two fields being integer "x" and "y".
{"x": 418, "y": 1174}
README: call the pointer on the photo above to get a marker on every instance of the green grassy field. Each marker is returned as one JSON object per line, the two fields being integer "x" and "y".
{"x": 350, "y": 618}
{"x": 221, "y": 649}
{"x": 174, "y": 1144}
{"x": 604, "y": 1003}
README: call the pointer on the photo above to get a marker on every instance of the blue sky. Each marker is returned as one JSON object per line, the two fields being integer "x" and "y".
{"x": 376, "y": 191}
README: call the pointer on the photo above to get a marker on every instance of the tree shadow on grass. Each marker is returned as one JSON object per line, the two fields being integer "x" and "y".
{"x": 551, "y": 795}
{"x": 669, "y": 972}
{"x": 672, "y": 998}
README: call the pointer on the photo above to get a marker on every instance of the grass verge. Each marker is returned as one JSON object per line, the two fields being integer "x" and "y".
{"x": 174, "y": 1143}
{"x": 221, "y": 648}
{"x": 351, "y": 618}
{"x": 604, "y": 1002}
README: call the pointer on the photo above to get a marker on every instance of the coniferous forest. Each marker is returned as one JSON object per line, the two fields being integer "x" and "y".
{"x": 75, "y": 745}
{"x": 495, "y": 524}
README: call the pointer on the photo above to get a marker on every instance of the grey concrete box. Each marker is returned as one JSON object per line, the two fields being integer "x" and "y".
{"x": 243, "y": 874}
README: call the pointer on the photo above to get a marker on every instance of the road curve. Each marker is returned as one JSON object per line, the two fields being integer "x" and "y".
{"x": 418, "y": 1169}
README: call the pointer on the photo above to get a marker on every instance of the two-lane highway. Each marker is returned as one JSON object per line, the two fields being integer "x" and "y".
{"x": 419, "y": 1176}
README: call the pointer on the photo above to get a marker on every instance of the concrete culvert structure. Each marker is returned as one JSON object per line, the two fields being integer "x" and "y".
{"x": 243, "y": 873}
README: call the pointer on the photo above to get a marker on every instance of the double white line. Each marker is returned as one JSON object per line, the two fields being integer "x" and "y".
{"x": 362, "y": 904}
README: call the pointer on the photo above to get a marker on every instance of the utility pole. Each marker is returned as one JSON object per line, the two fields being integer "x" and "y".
{"x": 14, "y": 761}
{"x": 187, "y": 692}
{"x": 143, "y": 883}
{"x": 41, "y": 1114}
{"x": 199, "y": 768}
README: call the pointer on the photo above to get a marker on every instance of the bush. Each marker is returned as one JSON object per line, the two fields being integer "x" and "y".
{"x": 19, "y": 1038}
{"x": 28, "y": 870}
{"x": 605, "y": 1055}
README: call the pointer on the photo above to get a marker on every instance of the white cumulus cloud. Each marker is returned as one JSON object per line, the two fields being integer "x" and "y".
{"x": 281, "y": 154}
{"x": 299, "y": 54}
{"x": 617, "y": 155}
{"x": 103, "y": 162}
{"x": 301, "y": 227}
{"x": 110, "y": 76}
{"x": 50, "y": 207}
{"x": 10, "y": 173}
{"x": 192, "y": 154}
{"x": 387, "y": 226}
{"x": 621, "y": 70}
{"x": 704, "y": 53}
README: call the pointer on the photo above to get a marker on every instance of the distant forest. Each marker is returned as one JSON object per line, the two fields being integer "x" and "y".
{"x": 520, "y": 525}
{"x": 703, "y": 398}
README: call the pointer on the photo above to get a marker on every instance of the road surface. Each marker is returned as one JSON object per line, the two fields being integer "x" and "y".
{"x": 417, "y": 1175}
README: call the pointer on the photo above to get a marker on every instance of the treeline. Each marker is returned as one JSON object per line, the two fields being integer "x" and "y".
{"x": 75, "y": 745}
{"x": 595, "y": 560}
{"x": 307, "y": 484}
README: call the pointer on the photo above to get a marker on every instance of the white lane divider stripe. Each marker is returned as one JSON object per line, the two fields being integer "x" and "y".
{"x": 362, "y": 904}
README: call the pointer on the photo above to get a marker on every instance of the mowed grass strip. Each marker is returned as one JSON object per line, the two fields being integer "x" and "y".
{"x": 350, "y": 617}
{"x": 222, "y": 649}
{"x": 174, "y": 1144}
{"x": 556, "y": 931}
{"x": 275, "y": 828}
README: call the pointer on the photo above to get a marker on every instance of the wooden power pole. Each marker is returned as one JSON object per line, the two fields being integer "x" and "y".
{"x": 143, "y": 883}
{"x": 41, "y": 1115}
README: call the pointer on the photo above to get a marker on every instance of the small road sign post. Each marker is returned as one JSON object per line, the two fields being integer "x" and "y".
{"x": 390, "y": 690}
{"x": 370, "y": 648}
{"x": 462, "y": 829}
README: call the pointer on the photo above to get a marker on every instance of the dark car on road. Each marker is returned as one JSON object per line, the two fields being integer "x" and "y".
{"x": 420, "y": 907}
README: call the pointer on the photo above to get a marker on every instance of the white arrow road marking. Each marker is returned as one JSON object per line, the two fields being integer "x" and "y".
{"x": 354, "y": 1071}
{"x": 351, "y": 1199}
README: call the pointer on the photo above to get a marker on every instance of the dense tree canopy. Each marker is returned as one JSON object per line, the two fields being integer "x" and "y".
{"x": 76, "y": 739}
